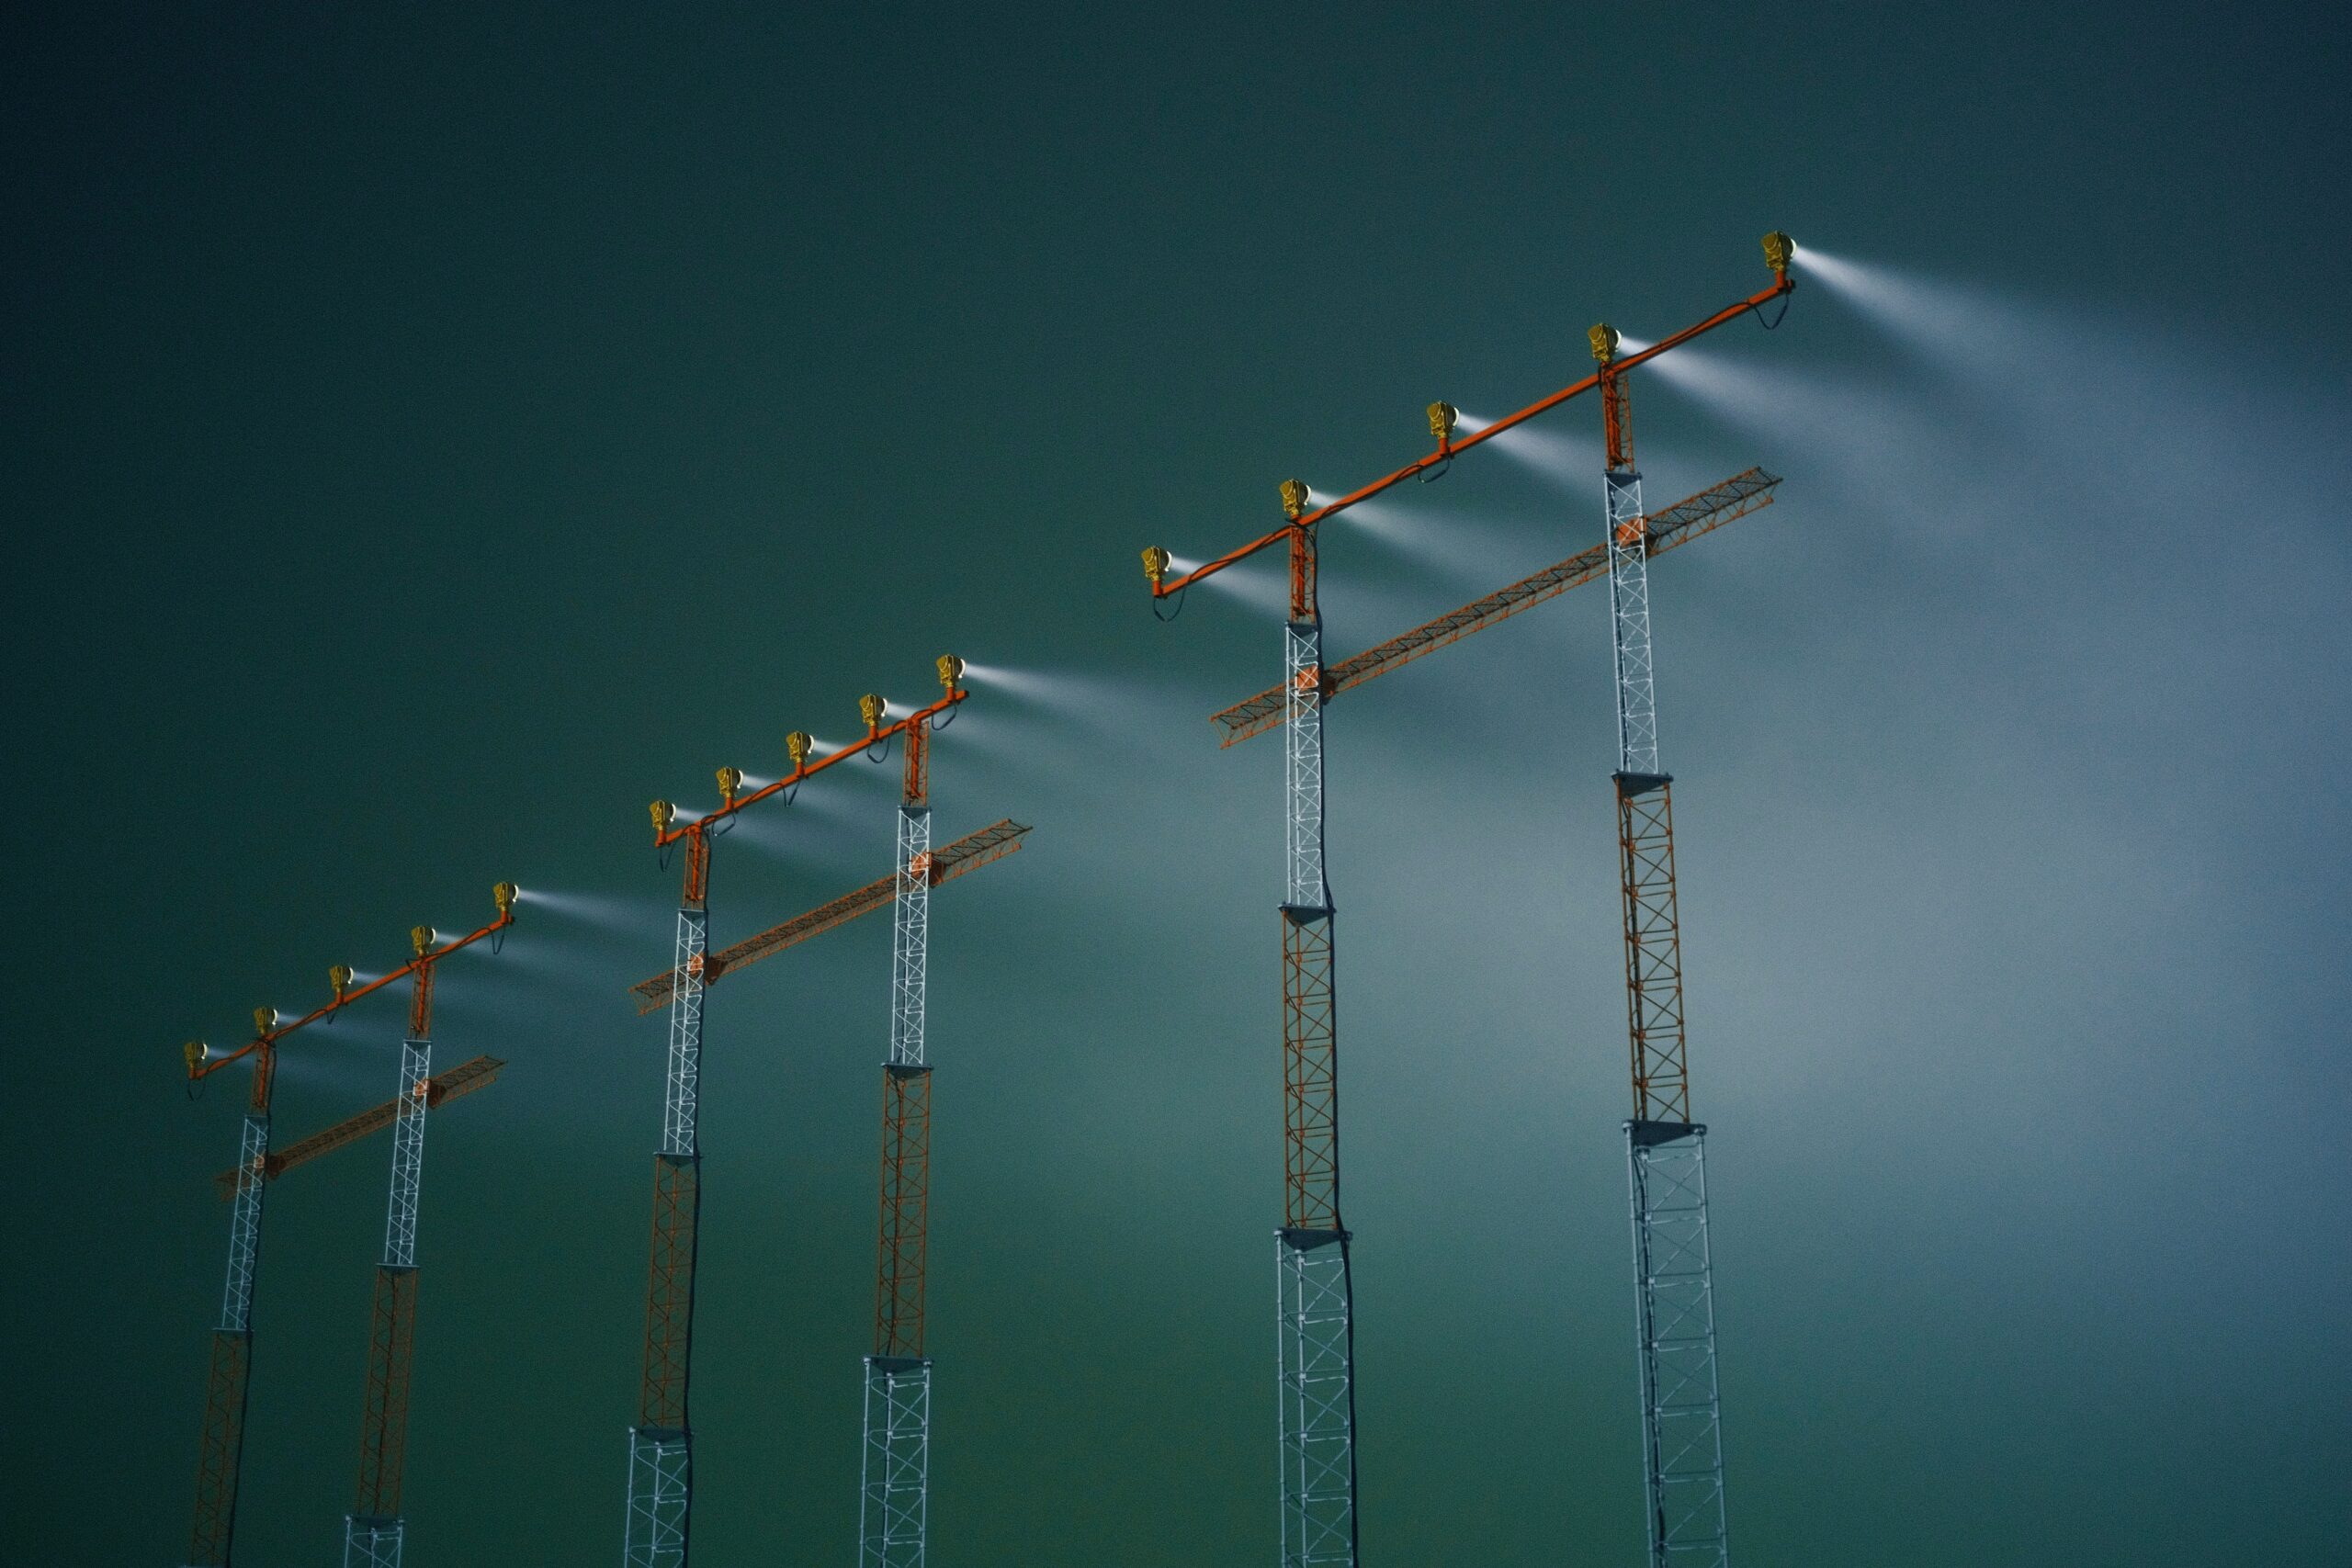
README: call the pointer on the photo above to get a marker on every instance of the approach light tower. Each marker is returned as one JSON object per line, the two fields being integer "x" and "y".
{"x": 1317, "y": 1452}
{"x": 1666, "y": 1150}
{"x": 656, "y": 1528}
{"x": 220, "y": 1448}
{"x": 374, "y": 1531}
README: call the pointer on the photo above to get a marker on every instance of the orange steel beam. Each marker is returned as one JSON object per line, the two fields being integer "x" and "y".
{"x": 457, "y": 1082}
{"x": 669, "y": 835}
{"x": 1677, "y": 525}
{"x": 969, "y": 852}
{"x": 1448, "y": 449}
{"x": 420, "y": 965}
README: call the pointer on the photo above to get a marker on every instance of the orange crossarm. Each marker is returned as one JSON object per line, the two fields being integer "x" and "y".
{"x": 967, "y": 853}
{"x": 1684, "y": 521}
{"x": 460, "y": 1080}
{"x": 420, "y": 964}
{"x": 874, "y": 738}
{"x": 1448, "y": 450}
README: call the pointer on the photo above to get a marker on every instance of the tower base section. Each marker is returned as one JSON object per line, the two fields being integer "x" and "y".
{"x": 894, "y": 1512}
{"x": 1315, "y": 1331}
{"x": 660, "y": 1489}
{"x": 1682, "y": 1453}
{"x": 371, "y": 1542}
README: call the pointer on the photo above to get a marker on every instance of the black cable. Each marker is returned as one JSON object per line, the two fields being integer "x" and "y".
{"x": 1171, "y": 616}
{"x": 1786, "y": 301}
{"x": 1445, "y": 469}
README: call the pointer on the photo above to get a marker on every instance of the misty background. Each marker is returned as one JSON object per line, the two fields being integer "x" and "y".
{"x": 432, "y": 438}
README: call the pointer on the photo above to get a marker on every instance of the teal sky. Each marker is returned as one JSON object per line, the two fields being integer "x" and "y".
{"x": 430, "y": 437}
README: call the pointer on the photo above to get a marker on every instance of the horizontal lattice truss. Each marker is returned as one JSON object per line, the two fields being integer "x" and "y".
{"x": 457, "y": 1082}
{"x": 894, "y": 1479}
{"x": 1653, "y": 948}
{"x": 1316, "y": 1367}
{"x": 1678, "y": 523}
{"x": 1682, "y": 1417}
{"x": 967, "y": 853}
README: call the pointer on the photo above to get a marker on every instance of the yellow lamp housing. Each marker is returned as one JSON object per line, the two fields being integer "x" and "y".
{"x": 339, "y": 980}
{"x": 870, "y": 707}
{"x": 1155, "y": 565}
{"x": 503, "y": 896}
{"x": 1293, "y": 499}
{"x": 264, "y": 1020}
{"x": 797, "y": 746}
{"x": 730, "y": 781}
{"x": 663, "y": 815}
{"x": 421, "y": 938}
{"x": 951, "y": 669}
{"x": 1779, "y": 251}
{"x": 195, "y": 1052}
{"x": 1443, "y": 417}
{"x": 1603, "y": 338}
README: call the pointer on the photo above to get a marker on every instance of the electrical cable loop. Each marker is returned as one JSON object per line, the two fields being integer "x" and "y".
{"x": 1180, "y": 595}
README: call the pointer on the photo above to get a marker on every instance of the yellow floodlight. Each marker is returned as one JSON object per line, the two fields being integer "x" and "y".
{"x": 1779, "y": 251}
{"x": 951, "y": 669}
{"x": 264, "y": 1020}
{"x": 730, "y": 781}
{"x": 663, "y": 815}
{"x": 339, "y": 980}
{"x": 1443, "y": 417}
{"x": 797, "y": 746}
{"x": 870, "y": 707}
{"x": 421, "y": 938}
{"x": 503, "y": 896}
{"x": 1155, "y": 565}
{"x": 1293, "y": 499}
{"x": 1603, "y": 338}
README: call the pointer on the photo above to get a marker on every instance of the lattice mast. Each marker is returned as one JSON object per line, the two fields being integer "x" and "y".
{"x": 894, "y": 1470}
{"x": 657, "y": 1521}
{"x": 1316, "y": 1307}
{"x": 1665, "y": 1148}
{"x": 220, "y": 1443}
{"x": 374, "y": 1531}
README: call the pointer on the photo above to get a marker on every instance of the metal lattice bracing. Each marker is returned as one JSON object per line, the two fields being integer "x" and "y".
{"x": 228, "y": 1377}
{"x": 681, "y": 1093}
{"x": 906, "y": 1191}
{"x": 894, "y": 1477}
{"x": 661, "y": 1484}
{"x": 660, "y": 1465}
{"x": 1629, "y": 604}
{"x": 1305, "y": 884}
{"x": 1682, "y": 1426}
{"x": 1653, "y": 948}
{"x": 910, "y": 937}
{"x": 1315, "y": 1355}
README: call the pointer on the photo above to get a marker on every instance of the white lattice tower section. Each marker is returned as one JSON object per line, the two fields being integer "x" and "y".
{"x": 895, "y": 1475}
{"x": 1318, "y": 1415}
{"x": 1629, "y": 602}
{"x": 682, "y": 1096}
{"x": 371, "y": 1543}
{"x": 408, "y": 1154}
{"x": 1682, "y": 1425}
{"x": 910, "y": 937}
{"x": 245, "y": 1226}
{"x": 660, "y": 1469}
{"x": 1303, "y": 765}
